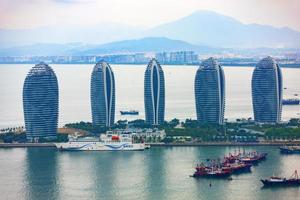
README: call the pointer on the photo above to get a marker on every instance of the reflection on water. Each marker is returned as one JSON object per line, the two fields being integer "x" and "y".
{"x": 41, "y": 179}
{"x": 158, "y": 173}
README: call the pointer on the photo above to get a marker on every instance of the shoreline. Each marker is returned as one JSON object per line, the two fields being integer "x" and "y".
{"x": 26, "y": 145}
{"x": 225, "y": 144}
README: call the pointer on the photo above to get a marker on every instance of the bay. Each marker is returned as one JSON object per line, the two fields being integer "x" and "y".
{"x": 158, "y": 173}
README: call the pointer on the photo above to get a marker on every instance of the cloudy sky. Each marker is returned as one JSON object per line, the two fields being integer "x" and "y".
{"x": 20, "y": 14}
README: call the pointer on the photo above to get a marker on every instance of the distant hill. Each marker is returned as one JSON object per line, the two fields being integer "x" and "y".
{"x": 151, "y": 44}
{"x": 43, "y": 49}
{"x": 213, "y": 29}
{"x": 97, "y": 34}
{"x": 202, "y": 31}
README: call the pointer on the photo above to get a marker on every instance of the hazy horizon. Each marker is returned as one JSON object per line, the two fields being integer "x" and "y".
{"x": 18, "y": 14}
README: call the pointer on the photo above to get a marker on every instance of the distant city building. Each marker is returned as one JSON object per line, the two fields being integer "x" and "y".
{"x": 183, "y": 57}
{"x": 267, "y": 91}
{"x": 210, "y": 92}
{"x": 180, "y": 57}
{"x": 40, "y": 103}
{"x": 163, "y": 57}
{"x": 154, "y": 93}
{"x": 103, "y": 95}
{"x": 137, "y": 58}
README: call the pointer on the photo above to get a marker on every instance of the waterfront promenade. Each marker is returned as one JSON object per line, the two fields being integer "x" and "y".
{"x": 265, "y": 143}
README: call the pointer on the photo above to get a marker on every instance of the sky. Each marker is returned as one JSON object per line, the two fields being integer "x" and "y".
{"x": 28, "y": 14}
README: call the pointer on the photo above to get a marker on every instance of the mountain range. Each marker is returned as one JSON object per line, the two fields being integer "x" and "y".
{"x": 210, "y": 28}
{"x": 202, "y": 31}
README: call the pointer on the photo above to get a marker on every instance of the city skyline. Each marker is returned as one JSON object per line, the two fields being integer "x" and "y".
{"x": 149, "y": 99}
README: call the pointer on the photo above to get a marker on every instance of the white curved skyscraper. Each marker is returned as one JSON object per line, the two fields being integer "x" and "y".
{"x": 103, "y": 95}
{"x": 40, "y": 103}
{"x": 154, "y": 93}
{"x": 267, "y": 91}
{"x": 210, "y": 92}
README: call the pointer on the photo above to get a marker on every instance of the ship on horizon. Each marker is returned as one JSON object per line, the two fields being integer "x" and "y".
{"x": 129, "y": 112}
{"x": 290, "y": 101}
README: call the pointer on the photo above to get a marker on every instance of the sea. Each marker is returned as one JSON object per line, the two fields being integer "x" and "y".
{"x": 74, "y": 92}
{"x": 160, "y": 173}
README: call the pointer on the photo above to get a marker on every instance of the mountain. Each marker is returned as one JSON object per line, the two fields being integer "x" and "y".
{"x": 150, "y": 44}
{"x": 97, "y": 34}
{"x": 42, "y": 49}
{"x": 204, "y": 28}
{"x": 210, "y": 28}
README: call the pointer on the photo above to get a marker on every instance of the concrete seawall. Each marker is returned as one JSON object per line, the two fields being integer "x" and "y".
{"x": 23, "y": 145}
{"x": 225, "y": 144}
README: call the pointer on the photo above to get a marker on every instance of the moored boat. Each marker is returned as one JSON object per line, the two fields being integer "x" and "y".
{"x": 290, "y": 149}
{"x": 238, "y": 167}
{"x": 279, "y": 181}
{"x": 254, "y": 157}
{"x": 211, "y": 172}
{"x": 106, "y": 142}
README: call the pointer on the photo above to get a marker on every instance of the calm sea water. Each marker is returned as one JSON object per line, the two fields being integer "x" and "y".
{"x": 158, "y": 173}
{"x": 74, "y": 90}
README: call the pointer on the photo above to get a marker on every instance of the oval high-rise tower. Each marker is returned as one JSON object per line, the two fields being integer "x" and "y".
{"x": 210, "y": 92}
{"x": 40, "y": 103}
{"x": 103, "y": 95}
{"x": 267, "y": 91}
{"x": 154, "y": 93}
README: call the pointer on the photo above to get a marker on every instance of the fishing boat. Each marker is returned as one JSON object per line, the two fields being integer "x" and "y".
{"x": 290, "y": 149}
{"x": 211, "y": 172}
{"x": 237, "y": 167}
{"x": 279, "y": 181}
{"x": 254, "y": 157}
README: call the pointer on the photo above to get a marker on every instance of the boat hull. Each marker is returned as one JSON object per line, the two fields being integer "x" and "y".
{"x": 284, "y": 150}
{"x": 98, "y": 146}
{"x": 219, "y": 175}
{"x": 268, "y": 183}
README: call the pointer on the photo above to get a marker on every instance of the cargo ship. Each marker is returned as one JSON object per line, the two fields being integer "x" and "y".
{"x": 106, "y": 142}
{"x": 278, "y": 181}
{"x": 290, "y": 101}
{"x": 130, "y": 112}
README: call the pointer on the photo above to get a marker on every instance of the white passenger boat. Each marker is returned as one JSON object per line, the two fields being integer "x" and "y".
{"x": 106, "y": 142}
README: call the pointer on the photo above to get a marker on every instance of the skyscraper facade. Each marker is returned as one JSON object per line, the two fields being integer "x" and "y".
{"x": 103, "y": 95}
{"x": 267, "y": 91}
{"x": 154, "y": 93}
{"x": 40, "y": 103}
{"x": 210, "y": 92}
